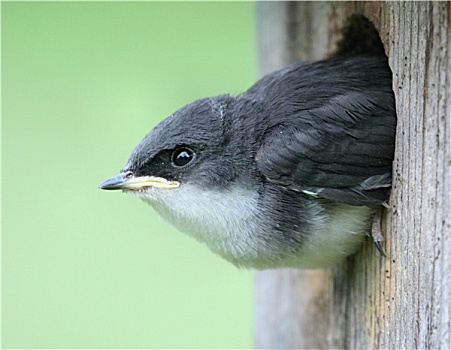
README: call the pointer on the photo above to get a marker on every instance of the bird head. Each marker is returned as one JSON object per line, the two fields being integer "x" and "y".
{"x": 189, "y": 147}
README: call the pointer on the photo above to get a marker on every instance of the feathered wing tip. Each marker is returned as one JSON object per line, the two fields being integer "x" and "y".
{"x": 359, "y": 37}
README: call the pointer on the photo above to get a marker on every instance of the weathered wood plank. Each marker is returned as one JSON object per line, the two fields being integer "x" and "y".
{"x": 402, "y": 301}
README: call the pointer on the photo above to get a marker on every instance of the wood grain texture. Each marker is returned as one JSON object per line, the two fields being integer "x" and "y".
{"x": 402, "y": 301}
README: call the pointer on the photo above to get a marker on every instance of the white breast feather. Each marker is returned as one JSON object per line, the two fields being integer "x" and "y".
{"x": 227, "y": 222}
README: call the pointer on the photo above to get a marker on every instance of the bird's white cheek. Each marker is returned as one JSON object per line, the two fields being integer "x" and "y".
{"x": 213, "y": 217}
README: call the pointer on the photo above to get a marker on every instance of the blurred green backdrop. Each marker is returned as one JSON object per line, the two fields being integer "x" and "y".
{"x": 82, "y": 84}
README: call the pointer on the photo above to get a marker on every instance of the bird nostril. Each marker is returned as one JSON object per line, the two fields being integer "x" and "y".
{"x": 128, "y": 174}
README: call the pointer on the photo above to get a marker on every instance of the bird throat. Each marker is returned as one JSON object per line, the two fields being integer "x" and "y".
{"x": 222, "y": 219}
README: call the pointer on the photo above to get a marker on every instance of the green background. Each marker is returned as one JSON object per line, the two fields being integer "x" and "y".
{"x": 82, "y": 84}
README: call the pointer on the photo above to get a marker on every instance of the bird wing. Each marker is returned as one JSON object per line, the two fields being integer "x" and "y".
{"x": 341, "y": 150}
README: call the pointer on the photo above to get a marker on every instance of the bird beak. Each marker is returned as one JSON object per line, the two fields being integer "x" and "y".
{"x": 127, "y": 182}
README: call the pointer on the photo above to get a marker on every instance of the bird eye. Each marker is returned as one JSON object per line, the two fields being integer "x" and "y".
{"x": 182, "y": 156}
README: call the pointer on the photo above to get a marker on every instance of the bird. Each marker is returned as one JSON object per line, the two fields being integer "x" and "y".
{"x": 291, "y": 173}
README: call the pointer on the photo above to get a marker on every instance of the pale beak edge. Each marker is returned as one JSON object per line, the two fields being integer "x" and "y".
{"x": 131, "y": 183}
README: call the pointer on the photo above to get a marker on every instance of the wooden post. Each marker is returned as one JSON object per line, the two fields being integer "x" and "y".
{"x": 402, "y": 301}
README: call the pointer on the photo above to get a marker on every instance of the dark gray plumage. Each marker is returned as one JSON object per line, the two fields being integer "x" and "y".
{"x": 338, "y": 135}
{"x": 284, "y": 175}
